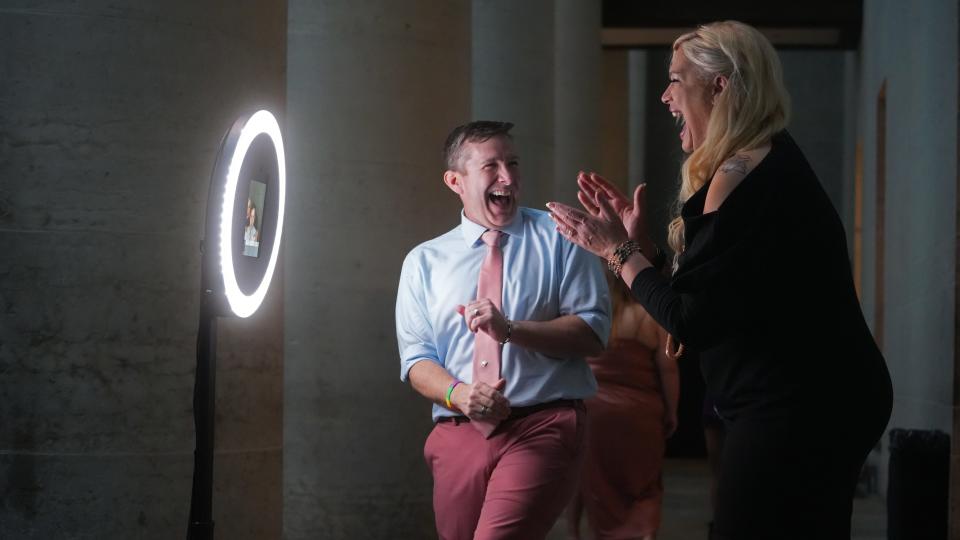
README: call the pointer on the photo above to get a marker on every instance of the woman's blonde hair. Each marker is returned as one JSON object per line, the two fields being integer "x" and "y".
{"x": 753, "y": 106}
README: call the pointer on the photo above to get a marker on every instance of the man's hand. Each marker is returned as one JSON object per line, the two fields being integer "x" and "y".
{"x": 483, "y": 315}
{"x": 481, "y": 401}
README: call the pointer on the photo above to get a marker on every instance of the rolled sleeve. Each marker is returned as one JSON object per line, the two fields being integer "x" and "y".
{"x": 414, "y": 332}
{"x": 584, "y": 291}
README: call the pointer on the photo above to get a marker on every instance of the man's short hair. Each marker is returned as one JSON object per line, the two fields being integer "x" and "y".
{"x": 478, "y": 131}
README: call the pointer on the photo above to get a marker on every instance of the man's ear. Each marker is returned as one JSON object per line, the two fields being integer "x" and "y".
{"x": 719, "y": 84}
{"x": 452, "y": 180}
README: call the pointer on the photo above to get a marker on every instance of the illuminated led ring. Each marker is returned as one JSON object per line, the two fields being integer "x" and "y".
{"x": 245, "y": 305}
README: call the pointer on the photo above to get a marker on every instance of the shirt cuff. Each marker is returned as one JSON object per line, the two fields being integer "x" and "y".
{"x": 413, "y": 354}
{"x": 600, "y": 324}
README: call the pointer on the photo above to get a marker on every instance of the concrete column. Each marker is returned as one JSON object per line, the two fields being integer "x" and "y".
{"x": 615, "y": 125}
{"x": 639, "y": 102}
{"x": 578, "y": 76}
{"x": 373, "y": 89}
{"x": 513, "y": 80}
{"x": 112, "y": 117}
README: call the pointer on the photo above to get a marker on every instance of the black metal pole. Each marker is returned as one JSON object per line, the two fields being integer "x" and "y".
{"x": 204, "y": 391}
{"x": 211, "y": 307}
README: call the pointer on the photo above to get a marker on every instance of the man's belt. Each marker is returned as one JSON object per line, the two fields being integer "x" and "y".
{"x": 520, "y": 412}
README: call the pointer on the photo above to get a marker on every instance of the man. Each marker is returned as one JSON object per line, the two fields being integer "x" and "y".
{"x": 508, "y": 442}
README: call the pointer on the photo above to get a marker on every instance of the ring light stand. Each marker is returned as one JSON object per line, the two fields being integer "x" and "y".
{"x": 239, "y": 256}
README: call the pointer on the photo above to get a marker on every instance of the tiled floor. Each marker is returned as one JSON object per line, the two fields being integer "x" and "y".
{"x": 686, "y": 509}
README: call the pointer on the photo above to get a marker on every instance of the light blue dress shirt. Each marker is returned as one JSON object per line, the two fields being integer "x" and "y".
{"x": 544, "y": 277}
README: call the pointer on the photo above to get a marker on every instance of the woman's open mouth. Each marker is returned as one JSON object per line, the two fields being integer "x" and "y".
{"x": 678, "y": 117}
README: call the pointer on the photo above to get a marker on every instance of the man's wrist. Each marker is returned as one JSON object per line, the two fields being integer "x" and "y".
{"x": 448, "y": 395}
{"x": 509, "y": 332}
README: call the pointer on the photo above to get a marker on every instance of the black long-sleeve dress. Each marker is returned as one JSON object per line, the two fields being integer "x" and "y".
{"x": 764, "y": 293}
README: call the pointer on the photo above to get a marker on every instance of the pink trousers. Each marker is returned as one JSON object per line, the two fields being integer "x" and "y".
{"x": 513, "y": 485}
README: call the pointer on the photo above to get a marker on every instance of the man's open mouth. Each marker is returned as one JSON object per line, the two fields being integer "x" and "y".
{"x": 499, "y": 197}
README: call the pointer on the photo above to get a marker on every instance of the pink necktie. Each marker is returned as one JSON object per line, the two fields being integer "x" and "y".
{"x": 486, "y": 349}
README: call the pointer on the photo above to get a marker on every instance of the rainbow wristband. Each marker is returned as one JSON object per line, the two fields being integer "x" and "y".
{"x": 450, "y": 393}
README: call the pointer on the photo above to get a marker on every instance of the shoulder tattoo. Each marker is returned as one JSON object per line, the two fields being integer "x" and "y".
{"x": 736, "y": 164}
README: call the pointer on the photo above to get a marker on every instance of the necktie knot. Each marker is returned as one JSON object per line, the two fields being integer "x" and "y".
{"x": 491, "y": 237}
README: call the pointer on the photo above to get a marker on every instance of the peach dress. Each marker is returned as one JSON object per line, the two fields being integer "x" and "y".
{"x": 621, "y": 488}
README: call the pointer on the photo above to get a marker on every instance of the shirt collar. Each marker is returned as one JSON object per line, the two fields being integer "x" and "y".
{"x": 472, "y": 231}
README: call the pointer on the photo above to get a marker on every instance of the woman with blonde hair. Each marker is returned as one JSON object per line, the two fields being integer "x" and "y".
{"x": 762, "y": 289}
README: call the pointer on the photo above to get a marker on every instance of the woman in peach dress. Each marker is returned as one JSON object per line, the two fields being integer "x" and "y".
{"x": 633, "y": 413}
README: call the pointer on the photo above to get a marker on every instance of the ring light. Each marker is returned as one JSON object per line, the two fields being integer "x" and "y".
{"x": 242, "y": 304}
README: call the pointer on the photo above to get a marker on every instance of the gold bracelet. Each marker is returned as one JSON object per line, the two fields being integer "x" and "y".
{"x": 621, "y": 254}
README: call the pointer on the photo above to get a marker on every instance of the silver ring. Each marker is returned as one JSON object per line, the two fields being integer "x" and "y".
{"x": 484, "y": 409}
{"x": 476, "y": 312}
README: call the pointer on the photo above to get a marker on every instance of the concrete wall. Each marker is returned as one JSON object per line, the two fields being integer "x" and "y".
{"x": 373, "y": 90}
{"x": 913, "y": 48}
{"x": 112, "y": 116}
